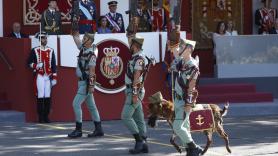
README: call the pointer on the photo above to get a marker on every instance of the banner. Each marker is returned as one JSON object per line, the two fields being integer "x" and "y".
{"x": 201, "y": 120}
{"x": 207, "y": 13}
{"x": 32, "y": 10}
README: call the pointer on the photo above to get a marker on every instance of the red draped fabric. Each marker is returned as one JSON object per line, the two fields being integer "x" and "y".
{"x": 32, "y": 10}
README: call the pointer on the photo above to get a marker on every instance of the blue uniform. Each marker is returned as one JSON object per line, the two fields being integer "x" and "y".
{"x": 87, "y": 22}
{"x": 118, "y": 19}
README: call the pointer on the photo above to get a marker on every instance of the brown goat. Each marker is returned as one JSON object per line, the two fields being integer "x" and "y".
{"x": 165, "y": 110}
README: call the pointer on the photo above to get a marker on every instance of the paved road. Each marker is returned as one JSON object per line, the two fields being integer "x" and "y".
{"x": 249, "y": 136}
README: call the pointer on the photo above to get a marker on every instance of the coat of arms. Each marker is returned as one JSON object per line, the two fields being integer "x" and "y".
{"x": 111, "y": 65}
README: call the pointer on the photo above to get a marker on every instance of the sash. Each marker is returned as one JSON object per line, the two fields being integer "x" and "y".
{"x": 85, "y": 11}
{"x": 113, "y": 23}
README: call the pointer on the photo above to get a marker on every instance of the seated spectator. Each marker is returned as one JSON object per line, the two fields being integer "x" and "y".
{"x": 17, "y": 31}
{"x": 221, "y": 29}
{"x": 274, "y": 29}
{"x": 230, "y": 29}
{"x": 51, "y": 20}
{"x": 103, "y": 26}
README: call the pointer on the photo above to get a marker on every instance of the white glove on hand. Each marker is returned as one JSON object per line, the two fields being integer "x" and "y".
{"x": 39, "y": 65}
{"x": 53, "y": 82}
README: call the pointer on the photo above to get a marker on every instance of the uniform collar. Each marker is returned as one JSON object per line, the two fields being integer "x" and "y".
{"x": 112, "y": 14}
{"x": 88, "y": 49}
{"x": 43, "y": 47}
{"x": 51, "y": 10}
{"x": 138, "y": 53}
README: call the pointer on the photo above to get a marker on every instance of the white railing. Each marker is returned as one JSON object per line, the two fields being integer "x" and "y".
{"x": 246, "y": 56}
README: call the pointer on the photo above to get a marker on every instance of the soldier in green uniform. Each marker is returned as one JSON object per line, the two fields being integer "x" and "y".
{"x": 186, "y": 74}
{"x": 51, "y": 19}
{"x": 85, "y": 71}
{"x": 132, "y": 114}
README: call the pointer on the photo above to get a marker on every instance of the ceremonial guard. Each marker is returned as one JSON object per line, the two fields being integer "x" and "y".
{"x": 51, "y": 19}
{"x": 43, "y": 62}
{"x": 115, "y": 20}
{"x": 265, "y": 17}
{"x": 87, "y": 16}
{"x": 157, "y": 17}
{"x": 144, "y": 24}
{"x": 187, "y": 72}
{"x": 85, "y": 72}
{"x": 132, "y": 113}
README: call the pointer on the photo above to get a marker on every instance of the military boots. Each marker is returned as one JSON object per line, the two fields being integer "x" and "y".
{"x": 98, "y": 132}
{"x": 77, "y": 132}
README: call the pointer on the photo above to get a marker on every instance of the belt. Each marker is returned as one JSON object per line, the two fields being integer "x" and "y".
{"x": 89, "y": 22}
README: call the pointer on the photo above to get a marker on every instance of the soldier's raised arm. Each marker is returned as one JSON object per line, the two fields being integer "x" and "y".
{"x": 76, "y": 38}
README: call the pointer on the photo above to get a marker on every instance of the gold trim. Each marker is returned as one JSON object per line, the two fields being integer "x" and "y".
{"x": 213, "y": 122}
{"x": 32, "y": 17}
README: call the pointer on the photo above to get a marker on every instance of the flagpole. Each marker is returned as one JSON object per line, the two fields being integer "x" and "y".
{"x": 40, "y": 37}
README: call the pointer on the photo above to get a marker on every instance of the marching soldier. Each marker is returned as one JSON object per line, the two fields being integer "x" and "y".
{"x": 132, "y": 113}
{"x": 43, "y": 62}
{"x": 185, "y": 82}
{"x": 51, "y": 19}
{"x": 87, "y": 17}
{"x": 115, "y": 20}
{"x": 143, "y": 16}
{"x": 85, "y": 71}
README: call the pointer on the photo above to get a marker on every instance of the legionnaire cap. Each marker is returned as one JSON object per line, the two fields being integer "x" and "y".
{"x": 112, "y": 3}
{"x": 174, "y": 37}
{"x": 156, "y": 98}
{"x": 138, "y": 39}
{"x": 187, "y": 43}
{"x": 41, "y": 34}
{"x": 90, "y": 36}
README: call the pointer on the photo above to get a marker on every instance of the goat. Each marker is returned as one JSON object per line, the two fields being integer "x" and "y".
{"x": 165, "y": 110}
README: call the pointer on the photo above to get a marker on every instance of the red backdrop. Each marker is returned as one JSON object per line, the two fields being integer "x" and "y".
{"x": 18, "y": 84}
{"x": 33, "y": 9}
{"x": 13, "y": 11}
{"x": 207, "y": 64}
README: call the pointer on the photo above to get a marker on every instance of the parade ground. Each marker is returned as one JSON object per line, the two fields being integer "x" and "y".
{"x": 249, "y": 136}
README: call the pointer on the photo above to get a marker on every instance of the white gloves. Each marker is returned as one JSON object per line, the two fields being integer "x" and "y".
{"x": 53, "y": 82}
{"x": 39, "y": 65}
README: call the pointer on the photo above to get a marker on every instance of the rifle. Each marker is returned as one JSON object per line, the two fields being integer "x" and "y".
{"x": 174, "y": 35}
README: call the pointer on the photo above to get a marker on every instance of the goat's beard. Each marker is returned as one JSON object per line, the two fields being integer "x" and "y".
{"x": 152, "y": 122}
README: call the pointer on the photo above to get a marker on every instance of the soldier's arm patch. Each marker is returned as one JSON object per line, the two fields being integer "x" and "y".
{"x": 93, "y": 61}
{"x": 139, "y": 64}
